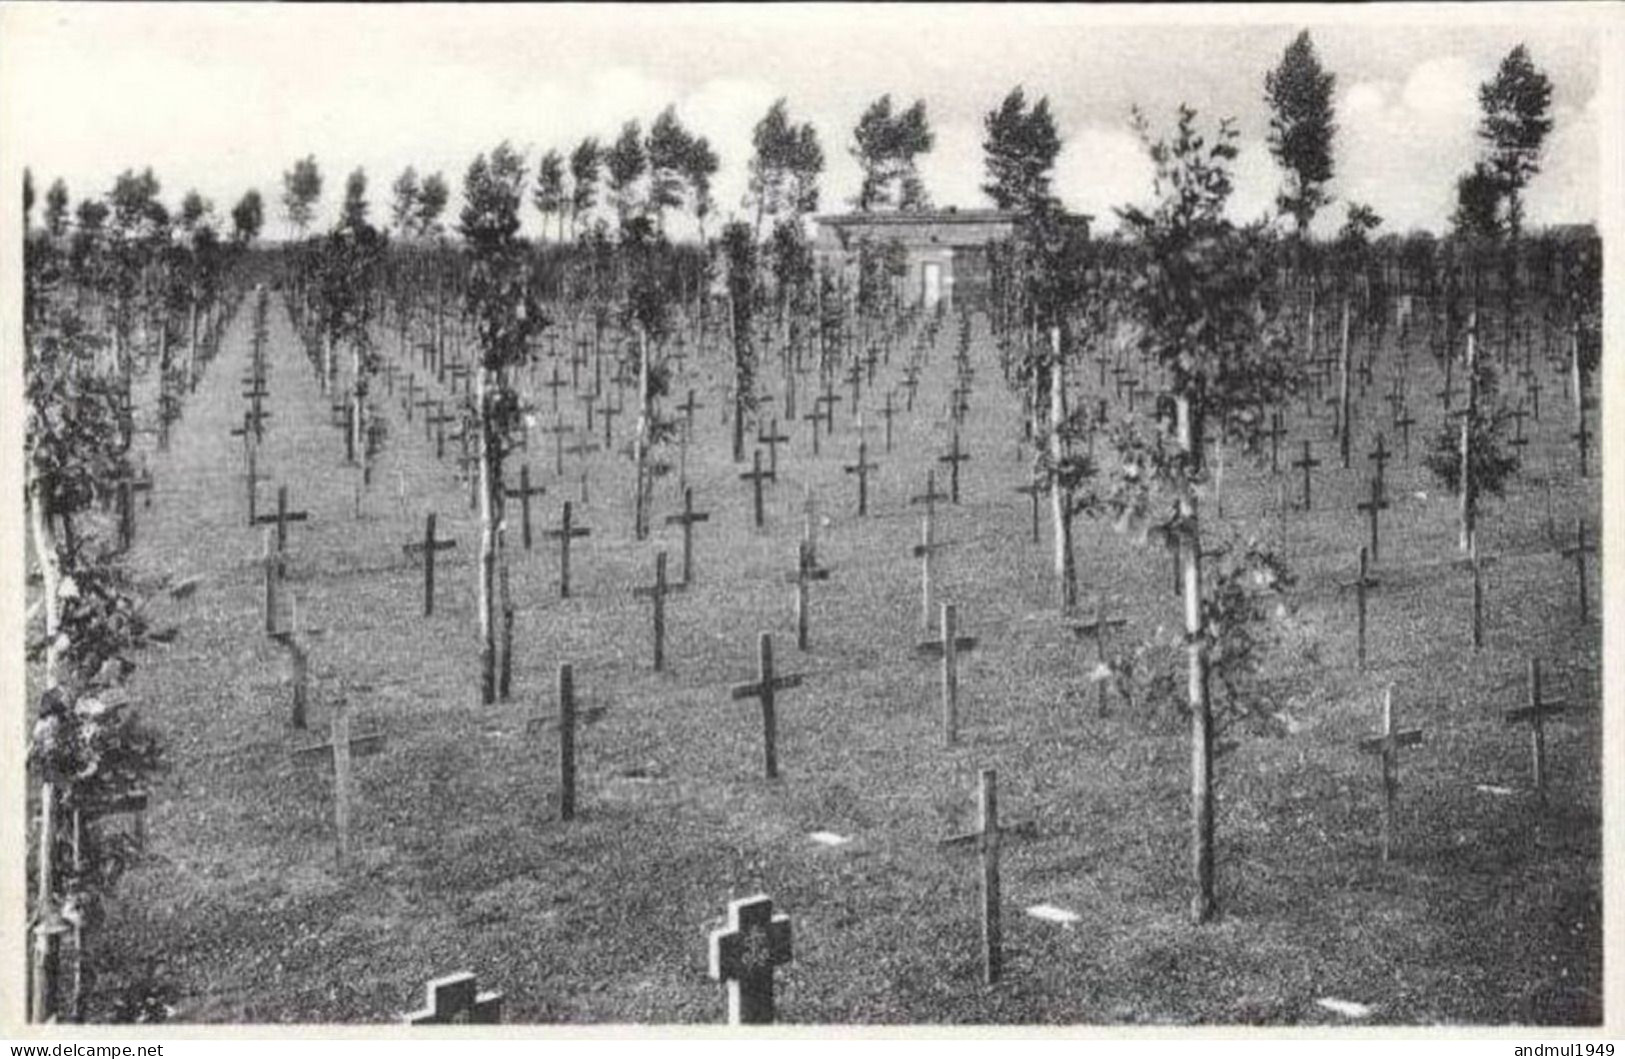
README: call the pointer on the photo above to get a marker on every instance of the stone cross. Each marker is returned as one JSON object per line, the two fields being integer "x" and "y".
{"x": 947, "y": 646}
{"x": 337, "y": 753}
{"x": 1578, "y": 552}
{"x": 1388, "y": 745}
{"x": 524, "y": 493}
{"x": 566, "y": 532}
{"x": 687, "y": 520}
{"x": 1373, "y": 507}
{"x": 658, "y": 593}
{"x": 862, "y": 469}
{"x": 1306, "y": 464}
{"x": 756, "y": 476}
{"x": 988, "y": 838}
{"x": 953, "y": 459}
{"x": 1535, "y": 715}
{"x": 766, "y": 689}
{"x": 428, "y": 547}
{"x": 744, "y": 954}
{"x": 456, "y": 999}
{"x": 807, "y": 571}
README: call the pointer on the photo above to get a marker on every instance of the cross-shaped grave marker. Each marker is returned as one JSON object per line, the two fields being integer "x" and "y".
{"x": 687, "y": 520}
{"x": 947, "y": 646}
{"x": 1373, "y": 507}
{"x": 807, "y": 571}
{"x": 766, "y": 689}
{"x": 988, "y": 838}
{"x": 337, "y": 752}
{"x": 658, "y": 592}
{"x": 282, "y": 517}
{"x": 524, "y": 493}
{"x": 862, "y": 469}
{"x": 772, "y": 440}
{"x": 564, "y": 534}
{"x": 429, "y": 545}
{"x": 1388, "y": 745}
{"x": 756, "y": 476}
{"x": 1275, "y": 433}
{"x": 953, "y": 459}
{"x": 1096, "y": 629}
{"x": 1380, "y": 456}
{"x": 457, "y": 999}
{"x": 1361, "y": 583}
{"x": 1534, "y": 715}
{"x": 1306, "y": 465}
{"x": 1578, "y": 552}
{"x": 888, "y": 411}
{"x": 744, "y": 954}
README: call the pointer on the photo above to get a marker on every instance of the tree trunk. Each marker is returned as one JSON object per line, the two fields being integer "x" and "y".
{"x": 488, "y": 543}
{"x": 736, "y": 338}
{"x": 1469, "y": 486}
{"x": 1066, "y": 576}
{"x": 1344, "y": 433}
{"x": 640, "y": 517}
{"x": 327, "y": 361}
{"x": 357, "y": 390}
{"x": 1203, "y": 901}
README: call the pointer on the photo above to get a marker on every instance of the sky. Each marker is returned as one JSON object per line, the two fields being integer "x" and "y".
{"x": 223, "y": 97}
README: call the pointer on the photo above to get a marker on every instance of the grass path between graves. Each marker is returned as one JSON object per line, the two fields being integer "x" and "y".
{"x": 1490, "y": 913}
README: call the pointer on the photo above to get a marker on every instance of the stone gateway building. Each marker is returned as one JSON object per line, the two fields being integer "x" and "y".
{"x": 945, "y": 250}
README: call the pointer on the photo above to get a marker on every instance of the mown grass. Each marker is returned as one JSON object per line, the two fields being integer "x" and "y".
{"x": 1490, "y": 912}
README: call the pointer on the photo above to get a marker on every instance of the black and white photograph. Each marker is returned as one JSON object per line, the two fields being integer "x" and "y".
{"x": 806, "y": 515}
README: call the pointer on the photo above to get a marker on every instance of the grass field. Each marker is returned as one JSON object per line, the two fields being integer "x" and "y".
{"x": 1489, "y": 913}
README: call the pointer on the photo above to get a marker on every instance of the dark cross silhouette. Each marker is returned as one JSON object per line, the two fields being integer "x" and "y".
{"x": 766, "y": 689}
{"x": 555, "y": 384}
{"x": 1534, "y": 715}
{"x": 1306, "y": 465}
{"x": 1361, "y": 584}
{"x": 772, "y": 439}
{"x": 744, "y": 954}
{"x": 688, "y": 408}
{"x": 687, "y": 520}
{"x": 988, "y": 838}
{"x": 566, "y": 532}
{"x": 1404, "y": 424}
{"x": 1387, "y": 746}
{"x": 1373, "y": 507}
{"x": 559, "y": 429}
{"x": 428, "y": 547}
{"x": 282, "y": 517}
{"x": 1275, "y": 433}
{"x": 953, "y": 459}
{"x": 1380, "y": 456}
{"x": 524, "y": 493}
{"x": 888, "y": 411}
{"x": 1033, "y": 490}
{"x": 756, "y": 476}
{"x": 657, "y": 592}
{"x": 862, "y": 469}
{"x": 807, "y": 571}
{"x": 1578, "y": 552}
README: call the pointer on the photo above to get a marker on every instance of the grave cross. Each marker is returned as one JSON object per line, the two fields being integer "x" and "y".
{"x": 744, "y": 954}
{"x": 1388, "y": 745}
{"x": 812, "y": 419}
{"x": 564, "y": 534}
{"x": 930, "y": 497}
{"x": 688, "y": 408}
{"x": 337, "y": 753}
{"x": 807, "y": 571}
{"x": 456, "y": 999}
{"x": 924, "y": 551}
{"x": 524, "y": 493}
{"x": 554, "y": 385}
{"x": 953, "y": 459}
{"x": 862, "y": 469}
{"x": 559, "y": 429}
{"x": 888, "y": 411}
{"x": 1096, "y": 629}
{"x": 1578, "y": 552}
{"x": 428, "y": 547}
{"x": 1275, "y": 433}
{"x": 1305, "y": 465}
{"x": 772, "y": 439}
{"x": 1535, "y": 715}
{"x": 756, "y": 476}
{"x": 658, "y": 592}
{"x": 947, "y": 646}
{"x": 687, "y": 520}
{"x": 1380, "y": 457}
{"x": 1373, "y": 507}
{"x": 988, "y": 838}
{"x": 1033, "y": 490}
{"x": 282, "y": 517}
{"x": 766, "y": 689}
{"x": 1362, "y": 582}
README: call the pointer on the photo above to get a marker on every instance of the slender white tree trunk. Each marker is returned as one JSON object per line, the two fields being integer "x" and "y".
{"x": 488, "y": 544}
{"x": 1203, "y": 903}
{"x": 1066, "y": 577}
